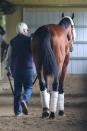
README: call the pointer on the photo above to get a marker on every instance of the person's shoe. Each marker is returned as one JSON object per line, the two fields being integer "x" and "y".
{"x": 24, "y": 107}
{"x": 20, "y": 114}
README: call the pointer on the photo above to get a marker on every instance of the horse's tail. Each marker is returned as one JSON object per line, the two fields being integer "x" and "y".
{"x": 48, "y": 58}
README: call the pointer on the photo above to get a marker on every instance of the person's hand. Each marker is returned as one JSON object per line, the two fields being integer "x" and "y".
{"x": 8, "y": 73}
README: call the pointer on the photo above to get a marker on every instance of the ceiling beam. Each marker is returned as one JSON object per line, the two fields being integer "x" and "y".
{"x": 52, "y": 6}
{"x": 50, "y": 2}
{"x": 59, "y": 5}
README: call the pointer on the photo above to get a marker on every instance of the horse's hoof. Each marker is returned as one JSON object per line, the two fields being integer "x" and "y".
{"x": 45, "y": 115}
{"x": 61, "y": 113}
{"x": 52, "y": 115}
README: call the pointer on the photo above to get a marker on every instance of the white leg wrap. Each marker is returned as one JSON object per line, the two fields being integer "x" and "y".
{"x": 53, "y": 101}
{"x": 45, "y": 99}
{"x": 61, "y": 102}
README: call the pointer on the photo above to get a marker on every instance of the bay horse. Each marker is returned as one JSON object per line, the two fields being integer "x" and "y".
{"x": 51, "y": 46}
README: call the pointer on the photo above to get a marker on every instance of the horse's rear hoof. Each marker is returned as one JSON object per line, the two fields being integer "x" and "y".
{"x": 45, "y": 115}
{"x": 52, "y": 115}
{"x": 61, "y": 113}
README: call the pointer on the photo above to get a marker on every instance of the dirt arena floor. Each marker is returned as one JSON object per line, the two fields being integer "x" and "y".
{"x": 75, "y": 118}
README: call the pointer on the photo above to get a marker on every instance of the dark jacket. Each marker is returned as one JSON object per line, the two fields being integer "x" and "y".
{"x": 21, "y": 56}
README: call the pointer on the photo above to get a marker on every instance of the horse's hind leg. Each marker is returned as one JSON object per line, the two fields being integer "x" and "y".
{"x": 45, "y": 96}
{"x": 61, "y": 86}
{"x": 54, "y": 98}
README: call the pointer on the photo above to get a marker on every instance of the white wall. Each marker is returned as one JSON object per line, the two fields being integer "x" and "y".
{"x": 78, "y": 62}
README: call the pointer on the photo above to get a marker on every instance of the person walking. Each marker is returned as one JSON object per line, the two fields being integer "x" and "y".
{"x": 20, "y": 65}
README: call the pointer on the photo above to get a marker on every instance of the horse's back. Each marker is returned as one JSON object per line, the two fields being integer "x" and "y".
{"x": 53, "y": 29}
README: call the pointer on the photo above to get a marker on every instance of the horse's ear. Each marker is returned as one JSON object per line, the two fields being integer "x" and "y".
{"x": 62, "y": 15}
{"x": 73, "y": 15}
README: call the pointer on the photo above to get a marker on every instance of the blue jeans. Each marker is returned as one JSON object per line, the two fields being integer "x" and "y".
{"x": 22, "y": 78}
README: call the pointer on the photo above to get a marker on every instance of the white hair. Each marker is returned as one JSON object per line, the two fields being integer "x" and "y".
{"x": 22, "y": 28}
